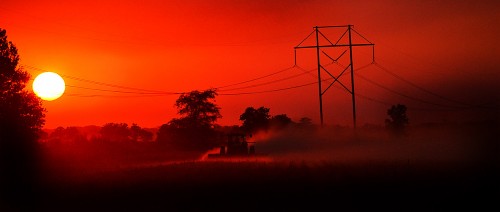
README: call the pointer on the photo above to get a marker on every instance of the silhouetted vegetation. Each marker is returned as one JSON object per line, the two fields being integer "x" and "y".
{"x": 398, "y": 120}
{"x": 195, "y": 129}
{"x": 108, "y": 133}
{"x": 115, "y": 132}
{"x": 280, "y": 121}
{"x": 305, "y": 123}
{"x": 21, "y": 111}
{"x": 138, "y": 134}
{"x": 68, "y": 135}
{"x": 21, "y": 120}
{"x": 255, "y": 119}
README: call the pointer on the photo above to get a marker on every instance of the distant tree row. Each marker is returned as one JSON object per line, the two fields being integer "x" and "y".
{"x": 108, "y": 133}
{"x": 120, "y": 132}
{"x": 197, "y": 128}
{"x": 260, "y": 120}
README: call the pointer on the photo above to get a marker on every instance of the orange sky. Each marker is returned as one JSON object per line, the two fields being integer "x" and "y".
{"x": 450, "y": 48}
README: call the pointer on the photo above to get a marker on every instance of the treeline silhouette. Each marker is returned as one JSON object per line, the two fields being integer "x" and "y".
{"x": 171, "y": 136}
{"x": 21, "y": 119}
{"x": 194, "y": 130}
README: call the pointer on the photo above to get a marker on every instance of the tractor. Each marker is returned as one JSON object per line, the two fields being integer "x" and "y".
{"x": 236, "y": 146}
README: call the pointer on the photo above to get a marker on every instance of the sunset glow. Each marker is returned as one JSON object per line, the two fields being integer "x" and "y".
{"x": 174, "y": 46}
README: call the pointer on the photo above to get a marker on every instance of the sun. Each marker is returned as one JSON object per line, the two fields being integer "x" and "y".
{"x": 49, "y": 86}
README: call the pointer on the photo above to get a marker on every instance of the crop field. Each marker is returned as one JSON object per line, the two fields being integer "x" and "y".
{"x": 436, "y": 170}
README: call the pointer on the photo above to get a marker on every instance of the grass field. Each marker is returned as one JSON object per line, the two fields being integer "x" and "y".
{"x": 254, "y": 185}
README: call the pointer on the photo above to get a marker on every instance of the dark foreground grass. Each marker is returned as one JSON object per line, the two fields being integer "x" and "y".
{"x": 278, "y": 186}
{"x": 432, "y": 170}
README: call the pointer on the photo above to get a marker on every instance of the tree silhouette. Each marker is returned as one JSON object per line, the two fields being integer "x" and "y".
{"x": 280, "y": 121}
{"x": 69, "y": 135}
{"x": 21, "y": 112}
{"x": 21, "y": 120}
{"x": 398, "y": 120}
{"x": 195, "y": 128}
{"x": 139, "y": 134}
{"x": 255, "y": 119}
{"x": 115, "y": 132}
{"x": 305, "y": 122}
{"x": 197, "y": 109}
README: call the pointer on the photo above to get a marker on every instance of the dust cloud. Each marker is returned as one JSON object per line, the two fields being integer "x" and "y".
{"x": 429, "y": 144}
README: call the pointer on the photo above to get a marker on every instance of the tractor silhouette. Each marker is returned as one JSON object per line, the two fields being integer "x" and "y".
{"x": 236, "y": 146}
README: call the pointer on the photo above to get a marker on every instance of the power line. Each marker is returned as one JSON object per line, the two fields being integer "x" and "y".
{"x": 396, "y": 92}
{"x": 291, "y": 87}
{"x": 127, "y": 92}
{"x": 155, "y": 93}
{"x": 102, "y": 83}
{"x": 402, "y": 94}
{"x": 270, "y": 82}
{"x": 152, "y": 92}
{"x": 257, "y": 78}
{"x": 163, "y": 93}
{"x": 112, "y": 96}
{"x": 419, "y": 87}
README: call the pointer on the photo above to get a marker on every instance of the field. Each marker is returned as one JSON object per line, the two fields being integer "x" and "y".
{"x": 265, "y": 186}
{"x": 440, "y": 169}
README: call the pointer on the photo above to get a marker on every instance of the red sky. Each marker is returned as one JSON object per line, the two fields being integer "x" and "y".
{"x": 450, "y": 48}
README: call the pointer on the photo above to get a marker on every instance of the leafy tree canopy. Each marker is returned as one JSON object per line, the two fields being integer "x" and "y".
{"x": 398, "y": 119}
{"x": 21, "y": 120}
{"x": 280, "y": 121}
{"x": 255, "y": 119}
{"x": 198, "y": 109}
{"x": 21, "y": 111}
{"x": 195, "y": 129}
{"x": 115, "y": 132}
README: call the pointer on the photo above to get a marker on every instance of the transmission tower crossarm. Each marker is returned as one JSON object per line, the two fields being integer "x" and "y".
{"x": 336, "y": 45}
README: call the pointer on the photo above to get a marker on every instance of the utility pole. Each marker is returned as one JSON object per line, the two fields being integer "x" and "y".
{"x": 318, "y": 47}
{"x": 319, "y": 78}
{"x": 352, "y": 77}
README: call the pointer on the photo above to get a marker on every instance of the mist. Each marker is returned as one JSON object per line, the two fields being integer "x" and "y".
{"x": 449, "y": 145}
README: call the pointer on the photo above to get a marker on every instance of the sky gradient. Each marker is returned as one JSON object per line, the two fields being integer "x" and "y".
{"x": 448, "y": 48}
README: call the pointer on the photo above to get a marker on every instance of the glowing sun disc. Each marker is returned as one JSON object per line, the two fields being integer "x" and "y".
{"x": 49, "y": 86}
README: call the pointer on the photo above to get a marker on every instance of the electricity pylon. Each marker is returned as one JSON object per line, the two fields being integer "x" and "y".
{"x": 318, "y": 48}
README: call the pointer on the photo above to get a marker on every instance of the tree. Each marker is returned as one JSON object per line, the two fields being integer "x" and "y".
{"x": 280, "y": 121}
{"x": 197, "y": 109}
{"x": 195, "y": 128}
{"x": 21, "y": 120}
{"x": 305, "y": 122}
{"x": 115, "y": 132}
{"x": 255, "y": 119}
{"x": 398, "y": 120}
{"x": 139, "y": 134}
{"x": 21, "y": 111}
{"x": 69, "y": 135}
